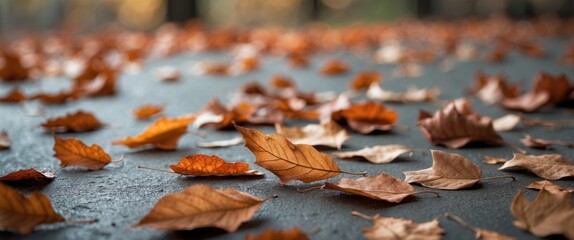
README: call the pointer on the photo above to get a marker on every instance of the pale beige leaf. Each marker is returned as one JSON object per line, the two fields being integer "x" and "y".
{"x": 328, "y": 134}
{"x": 380, "y": 187}
{"x": 201, "y": 206}
{"x": 412, "y": 95}
{"x": 493, "y": 160}
{"x": 551, "y": 187}
{"x": 398, "y": 228}
{"x": 479, "y": 232}
{"x": 449, "y": 171}
{"x": 377, "y": 154}
{"x": 222, "y": 143}
{"x": 506, "y": 122}
{"x": 548, "y": 166}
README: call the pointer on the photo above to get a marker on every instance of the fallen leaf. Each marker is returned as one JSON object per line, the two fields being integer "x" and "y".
{"x": 412, "y": 95}
{"x": 97, "y": 79}
{"x": 272, "y": 234}
{"x": 14, "y": 96}
{"x": 365, "y": 79}
{"x": 334, "y": 67}
{"x": 203, "y": 165}
{"x": 79, "y": 121}
{"x": 222, "y": 143}
{"x": 408, "y": 70}
{"x": 163, "y": 134}
{"x": 546, "y": 215}
{"x": 493, "y": 160}
{"x": 202, "y": 206}
{"x": 377, "y": 154}
{"x": 449, "y": 171}
{"x": 497, "y": 54}
{"x": 398, "y": 228}
{"x": 548, "y": 166}
{"x": 12, "y": 68}
{"x": 367, "y": 117}
{"x": 493, "y": 88}
{"x": 215, "y": 115}
{"x": 533, "y": 142}
{"x": 549, "y": 186}
{"x": 289, "y": 161}
{"x": 147, "y": 111}
{"x": 456, "y": 126}
{"x": 506, "y": 122}
{"x": 328, "y": 134}
{"x": 53, "y": 98}
{"x": 167, "y": 73}
{"x": 73, "y": 152}
{"x": 281, "y": 81}
{"x": 22, "y": 214}
{"x": 212, "y": 68}
{"x": 4, "y": 140}
{"x": 546, "y": 90}
{"x": 479, "y": 232}
{"x": 26, "y": 174}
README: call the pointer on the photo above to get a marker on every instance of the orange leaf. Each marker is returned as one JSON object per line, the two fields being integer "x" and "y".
{"x": 26, "y": 174}
{"x": 367, "y": 117}
{"x": 272, "y": 234}
{"x": 53, "y": 98}
{"x": 73, "y": 152}
{"x": 202, "y": 206}
{"x": 14, "y": 96}
{"x": 203, "y": 165}
{"x": 333, "y": 67}
{"x": 280, "y": 81}
{"x": 365, "y": 79}
{"x": 163, "y": 134}
{"x": 148, "y": 111}
{"x": 79, "y": 121}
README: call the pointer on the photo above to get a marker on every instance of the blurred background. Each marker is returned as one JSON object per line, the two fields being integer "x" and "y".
{"x": 86, "y": 15}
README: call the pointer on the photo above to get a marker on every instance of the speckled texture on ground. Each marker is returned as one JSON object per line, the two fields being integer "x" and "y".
{"x": 120, "y": 194}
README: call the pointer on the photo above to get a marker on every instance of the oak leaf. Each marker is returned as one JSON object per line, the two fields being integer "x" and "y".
{"x": 365, "y": 79}
{"x": 27, "y": 174}
{"x": 456, "y": 125}
{"x": 549, "y": 186}
{"x": 549, "y": 213}
{"x": 202, "y": 206}
{"x": 73, "y": 152}
{"x": 13, "y": 96}
{"x": 334, "y": 67}
{"x": 479, "y": 232}
{"x": 548, "y": 166}
{"x": 221, "y": 143}
{"x": 147, "y": 111}
{"x": 272, "y": 234}
{"x": 325, "y": 134}
{"x": 377, "y": 154}
{"x": 449, "y": 171}
{"x": 203, "y": 165}
{"x": 163, "y": 134}
{"x": 367, "y": 117}
{"x": 398, "y": 228}
{"x": 22, "y": 214}
{"x": 4, "y": 140}
{"x": 289, "y": 161}
{"x": 506, "y": 122}
{"x": 79, "y": 121}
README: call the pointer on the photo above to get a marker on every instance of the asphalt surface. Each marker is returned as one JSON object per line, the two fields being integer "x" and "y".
{"x": 121, "y": 194}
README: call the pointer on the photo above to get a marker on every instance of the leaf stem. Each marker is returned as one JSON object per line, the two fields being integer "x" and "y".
{"x": 311, "y": 188}
{"x": 498, "y": 177}
{"x": 362, "y": 215}
{"x": 460, "y": 221}
{"x": 269, "y": 197}
{"x": 57, "y": 170}
{"x": 155, "y": 169}
{"x": 355, "y": 173}
{"x": 92, "y": 220}
{"x": 121, "y": 159}
{"x": 427, "y": 191}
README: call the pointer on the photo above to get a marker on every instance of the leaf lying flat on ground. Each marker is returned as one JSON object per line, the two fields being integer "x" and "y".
{"x": 493, "y": 88}
{"x": 222, "y": 143}
{"x": 334, "y": 67}
{"x": 26, "y": 174}
{"x": 533, "y": 142}
{"x": 272, "y": 234}
{"x": 365, "y": 79}
{"x": 202, "y": 206}
{"x": 203, "y": 165}
{"x": 13, "y": 96}
{"x": 412, "y": 95}
{"x": 73, "y": 152}
{"x": 377, "y": 154}
{"x": 367, "y": 117}
{"x": 479, "y": 232}
{"x": 4, "y": 140}
{"x": 493, "y": 160}
{"x": 163, "y": 134}
{"x": 22, "y": 214}
{"x": 147, "y": 111}
{"x": 328, "y": 134}
{"x": 549, "y": 186}
{"x": 73, "y": 122}
{"x": 398, "y": 228}
{"x": 549, "y": 213}
{"x": 287, "y": 160}
{"x": 506, "y": 122}
{"x": 546, "y": 90}
{"x": 548, "y": 166}
{"x": 449, "y": 171}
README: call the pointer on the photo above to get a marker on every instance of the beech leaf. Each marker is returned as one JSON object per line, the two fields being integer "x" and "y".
{"x": 163, "y": 134}
{"x": 377, "y": 154}
{"x": 27, "y": 174}
{"x": 203, "y": 165}
{"x": 202, "y": 206}
{"x": 73, "y": 152}
{"x": 398, "y": 228}
{"x": 549, "y": 186}
{"x": 221, "y": 143}
{"x": 272, "y": 234}
{"x": 328, "y": 134}
{"x": 548, "y": 166}
{"x": 79, "y": 121}
{"x": 289, "y": 161}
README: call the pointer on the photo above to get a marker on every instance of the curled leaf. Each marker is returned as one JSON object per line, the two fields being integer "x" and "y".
{"x": 79, "y": 121}
{"x": 548, "y": 166}
{"x": 549, "y": 186}
{"x": 377, "y": 154}
{"x": 365, "y": 79}
{"x": 27, "y": 174}
{"x": 163, "y": 134}
{"x": 367, "y": 117}
{"x": 203, "y": 165}
{"x": 398, "y": 228}
{"x": 73, "y": 152}
{"x": 222, "y": 143}
{"x": 325, "y": 134}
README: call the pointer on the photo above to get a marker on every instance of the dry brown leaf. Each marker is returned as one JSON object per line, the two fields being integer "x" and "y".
{"x": 334, "y": 67}
{"x": 412, "y": 95}
{"x": 365, "y": 79}
{"x": 367, "y": 117}
{"x": 548, "y": 166}
{"x": 377, "y": 154}
{"x": 54, "y": 98}
{"x": 79, "y": 121}
{"x": 493, "y": 88}
{"x": 163, "y": 134}
{"x": 328, "y": 134}
{"x": 167, "y": 73}
{"x": 449, "y": 171}
{"x": 203, "y": 165}
{"x": 213, "y": 68}
{"x": 493, "y": 160}
{"x": 22, "y": 214}
{"x": 280, "y": 81}
{"x": 549, "y": 186}
{"x": 27, "y": 174}
{"x": 456, "y": 125}
{"x": 73, "y": 152}
{"x": 546, "y": 90}
{"x": 147, "y": 111}
{"x": 4, "y": 140}
{"x": 97, "y": 79}
{"x": 289, "y": 161}
{"x": 533, "y": 142}
{"x": 215, "y": 115}
{"x": 479, "y": 232}
{"x": 547, "y": 214}
{"x": 222, "y": 143}
{"x": 506, "y": 122}
{"x": 202, "y": 206}
{"x": 13, "y": 96}
{"x": 271, "y": 234}
{"x": 398, "y": 228}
